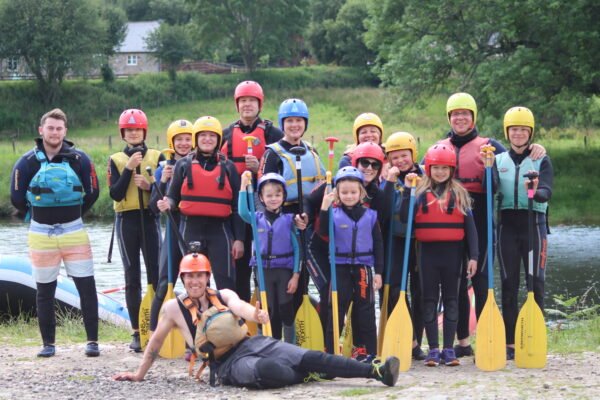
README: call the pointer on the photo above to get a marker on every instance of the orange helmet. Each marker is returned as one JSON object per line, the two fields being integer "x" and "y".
{"x": 249, "y": 89}
{"x": 194, "y": 262}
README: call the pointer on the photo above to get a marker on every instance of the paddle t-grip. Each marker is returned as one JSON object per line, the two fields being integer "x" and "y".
{"x": 249, "y": 142}
{"x": 331, "y": 141}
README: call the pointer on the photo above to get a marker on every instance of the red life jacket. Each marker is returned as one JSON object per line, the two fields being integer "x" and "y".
{"x": 469, "y": 165}
{"x": 435, "y": 225}
{"x": 236, "y": 148}
{"x": 206, "y": 193}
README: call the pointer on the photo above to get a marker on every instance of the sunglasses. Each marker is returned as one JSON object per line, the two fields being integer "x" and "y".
{"x": 366, "y": 163}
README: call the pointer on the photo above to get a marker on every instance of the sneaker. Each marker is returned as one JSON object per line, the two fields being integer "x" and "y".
{"x": 433, "y": 358}
{"x": 135, "y": 344}
{"x": 418, "y": 354}
{"x": 317, "y": 377}
{"x": 47, "y": 351}
{"x": 188, "y": 354}
{"x": 448, "y": 357}
{"x": 387, "y": 373}
{"x": 463, "y": 351}
{"x": 92, "y": 350}
{"x": 510, "y": 353}
{"x": 360, "y": 354}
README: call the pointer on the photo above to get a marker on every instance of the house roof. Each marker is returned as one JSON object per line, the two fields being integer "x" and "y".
{"x": 135, "y": 39}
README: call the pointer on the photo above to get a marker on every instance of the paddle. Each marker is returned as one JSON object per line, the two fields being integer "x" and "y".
{"x": 309, "y": 331}
{"x": 335, "y": 313}
{"x": 531, "y": 347}
{"x": 491, "y": 339}
{"x": 389, "y": 262}
{"x": 146, "y": 304}
{"x": 398, "y": 336}
{"x": 259, "y": 266}
{"x": 347, "y": 334}
{"x": 174, "y": 344}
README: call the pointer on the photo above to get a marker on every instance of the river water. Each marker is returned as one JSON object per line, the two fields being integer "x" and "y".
{"x": 573, "y": 265}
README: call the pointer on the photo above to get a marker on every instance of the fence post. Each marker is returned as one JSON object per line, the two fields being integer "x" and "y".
{"x": 110, "y": 142}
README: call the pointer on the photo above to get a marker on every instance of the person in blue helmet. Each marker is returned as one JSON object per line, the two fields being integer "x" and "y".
{"x": 279, "y": 250}
{"x": 358, "y": 251}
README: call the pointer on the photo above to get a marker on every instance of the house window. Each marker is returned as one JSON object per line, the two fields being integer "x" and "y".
{"x": 12, "y": 64}
{"x": 132, "y": 59}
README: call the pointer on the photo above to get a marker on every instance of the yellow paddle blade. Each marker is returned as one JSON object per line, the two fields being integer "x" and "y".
{"x": 336, "y": 323}
{"x": 252, "y": 326}
{"x": 490, "y": 354}
{"x": 174, "y": 344}
{"x": 309, "y": 333}
{"x": 347, "y": 334}
{"x": 531, "y": 345}
{"x": 144, "y": 316}
{"x": 266, "y": 328}
{"x": 398, "y": 337}
{"x": 383, "y": 317}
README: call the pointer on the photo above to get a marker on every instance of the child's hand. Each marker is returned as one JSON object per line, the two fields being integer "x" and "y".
{"x": 167, "y": 173}
{"x": 377, "y": 282}
{"x": 246, "y": 179}
{"x": 486, "y": 152}
{"x": 251, "y": 163}
{"x": 292, "y": 285}
{"x": 260, "y": 316}
{"x": 392, "y": 175}
{"x": 134, "y": 161}
{"x": 535, "y": 181}
{"x": 409, "y": 178}
{"x": 301, "y": 221}
{"x": 327, "y": 201}
{"x": 163, "y": 204}
{"x": 140, "y": 181}
{"x": 237, "y": 250}
{"x": 471, "y": 268}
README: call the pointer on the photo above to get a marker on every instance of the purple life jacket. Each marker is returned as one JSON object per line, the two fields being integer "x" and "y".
{"x": 354, "y": 240}
{"x": 275, "y": 241}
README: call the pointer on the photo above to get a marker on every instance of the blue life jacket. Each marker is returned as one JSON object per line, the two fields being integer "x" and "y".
{"x": 54, "y": 185}
{"x": 513, "y": 194}
{"x": 313, "y": 171}
{"x": 276, "y": 248}
{"x": 354, "y": 239}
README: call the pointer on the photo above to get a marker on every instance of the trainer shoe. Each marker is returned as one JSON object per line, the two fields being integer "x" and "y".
{"x": 386, "y": 373}
{"x": 448, "y": 357}
{"x": 135, "y": 344}
{"x": 92, "y": 350}
{"x": 360, "y": 354}
{"x": 418, "y": 354}
{"x": 47, "y": 351}
{"x": 433, "y": 358}
{"x": 510, "y": 353}
{"x": 463, "y": 351}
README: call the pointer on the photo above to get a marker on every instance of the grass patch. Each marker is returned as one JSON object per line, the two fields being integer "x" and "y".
{"x": 356, "y": 392}
{"x": 579, "y": 337}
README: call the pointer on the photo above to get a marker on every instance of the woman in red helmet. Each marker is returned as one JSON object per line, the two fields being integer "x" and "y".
{"x": 443, "y": 219}
{"x": 127, "y": 178}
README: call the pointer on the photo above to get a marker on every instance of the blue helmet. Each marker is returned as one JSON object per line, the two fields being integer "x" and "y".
{"x": 349, "y": 173}
{"x": 293, "y": 108}
{"x": 271, "y": 177}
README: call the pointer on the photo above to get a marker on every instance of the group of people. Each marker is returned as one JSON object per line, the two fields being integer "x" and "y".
{"x": 206, "y": 180}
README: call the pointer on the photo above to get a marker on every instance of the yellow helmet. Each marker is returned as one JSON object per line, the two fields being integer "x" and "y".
{"x": 208, "y": 124}
{"x": 365, "y": 119}
{"x": 177, "y": 127}
{"x": 461, "y": 101}
{"x": 401, "y": 141}
{"x": 518, "y": 116}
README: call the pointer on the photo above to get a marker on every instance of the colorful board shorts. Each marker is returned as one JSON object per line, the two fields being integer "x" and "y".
{"x": 49, "y": 244}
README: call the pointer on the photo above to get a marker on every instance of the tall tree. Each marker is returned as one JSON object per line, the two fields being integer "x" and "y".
{"x": 116, "y": 31}
{"x": 253, "y": 28}
{"x": 53, "y": 37}
{"x": 543, "y": 55}
{"x": 172, "y": 44}
{"x": 321, "y": 14}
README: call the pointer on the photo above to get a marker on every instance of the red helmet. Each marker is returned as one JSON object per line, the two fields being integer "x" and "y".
{"x": 133, "y": 118}
{"x": 367, "y": 150}
{"x": 194, "y": 262}
{"x": 250, "y": 89}
{"x": 440, "y": 154}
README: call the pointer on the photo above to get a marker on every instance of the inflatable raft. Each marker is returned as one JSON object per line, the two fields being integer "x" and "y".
{"x": 18, "y": 290}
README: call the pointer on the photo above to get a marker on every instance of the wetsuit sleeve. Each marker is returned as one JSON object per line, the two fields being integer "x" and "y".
{"x": 382, "y": 203}
{"x": 471, "y": 234}
{"x": 324, "y": 222}
{"x": 174, "y": 192}
{"x": 498, "y": 146}
{"x": 238, "y": 225}
{"x": 296, "y": 248}
{"x": 272, "y": 134}
{"x": 117, "y": 182}
{"x": 312, "y": 202}
{"x": 243, "y": 210}
{"x": 154, "y": 196}
{"x": 403, "y": 211}
{"x": 378, "y": 248}
{"x": 270, "y": 162}
{"x": 89, "y": 180}
{"x": 21, "y": 175}
{"x": 545, "y": 181}
{"x": 345, "y": 161}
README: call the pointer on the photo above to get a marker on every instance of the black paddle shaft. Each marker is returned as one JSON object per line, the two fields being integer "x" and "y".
{"x": 299, "y": 151}
{"x": 531, "y": 176}
{"x": 142, "y": 223}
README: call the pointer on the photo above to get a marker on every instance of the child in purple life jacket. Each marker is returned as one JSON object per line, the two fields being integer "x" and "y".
{"x": 358, "y": 250}
{"x": 279, "y": 250}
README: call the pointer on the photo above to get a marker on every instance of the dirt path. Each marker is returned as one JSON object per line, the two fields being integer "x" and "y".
{"x": 71, "y": 375}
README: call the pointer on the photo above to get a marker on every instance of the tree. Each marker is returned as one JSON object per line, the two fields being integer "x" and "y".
{"x": 322, "y": 13}
{"x": 53, "y": 37}
{"x": 173, "y": 12}
{"x": 254, "y": 28}
{"x": 534, "y": 53}
{"x": 172, "y": 44}
{"x": 116, "y": 31}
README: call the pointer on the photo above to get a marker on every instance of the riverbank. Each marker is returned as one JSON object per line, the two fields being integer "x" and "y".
{"x": 71, "y": 375}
